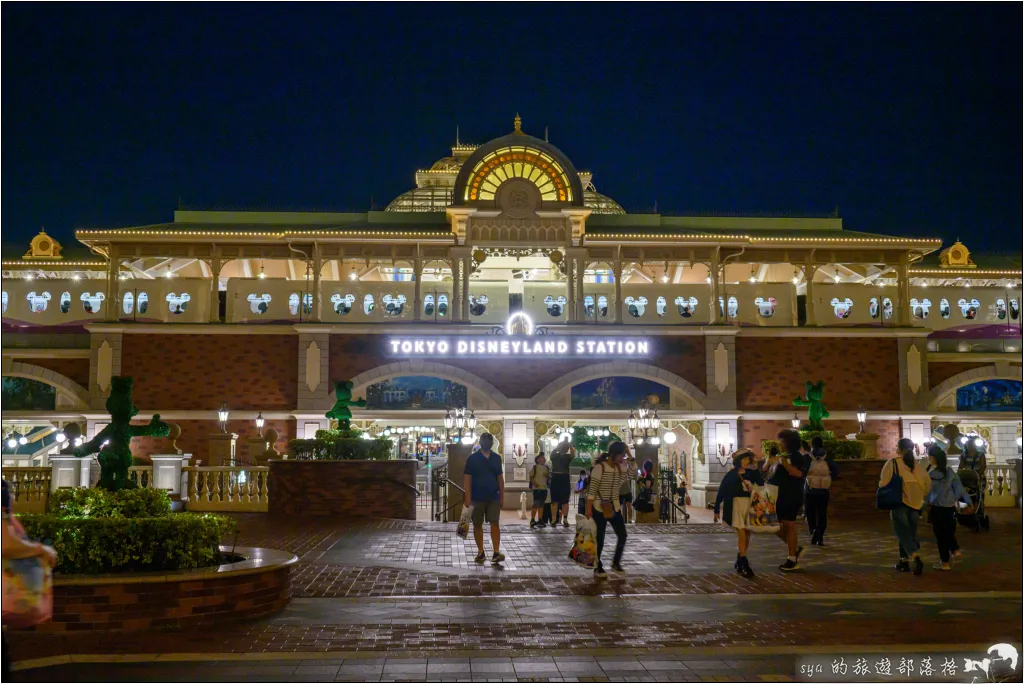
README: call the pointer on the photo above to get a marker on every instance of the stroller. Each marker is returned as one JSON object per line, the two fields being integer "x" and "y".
{"x": 975, "y": 487}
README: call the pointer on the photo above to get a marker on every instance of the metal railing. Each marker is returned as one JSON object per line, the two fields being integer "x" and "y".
{"x": 441, "y": 509}
{"x": 29, "y": 487}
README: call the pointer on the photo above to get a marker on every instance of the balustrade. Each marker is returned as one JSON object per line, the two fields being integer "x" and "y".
{"x": 225, "y": 488}
{"x": 142, "y": 476}
{"x": 1001, "y": 486}
{"x": 29, "y": 487}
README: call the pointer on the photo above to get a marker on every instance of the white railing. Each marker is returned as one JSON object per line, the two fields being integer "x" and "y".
{"x": 223, "y": 488}
{"x": 1001, "y": 486}
{"x": 29, "y": 487}
{"x": 142, "y": 476}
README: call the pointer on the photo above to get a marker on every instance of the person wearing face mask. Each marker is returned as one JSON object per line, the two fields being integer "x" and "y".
{"x": 603, "y": 504}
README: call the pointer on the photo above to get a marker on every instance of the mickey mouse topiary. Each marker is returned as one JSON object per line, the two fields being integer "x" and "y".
{"x": 816, "y": 411}
{"x": 343, "y": 399}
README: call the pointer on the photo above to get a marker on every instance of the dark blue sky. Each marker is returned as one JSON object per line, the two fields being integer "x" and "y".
{"x": 906, "y": 117}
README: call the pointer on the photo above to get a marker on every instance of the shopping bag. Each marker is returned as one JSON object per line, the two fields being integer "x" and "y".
{"x": 28, "y": 592}
{"x": 464, "y": 522}
{"x": 761, "y": 516}
{"x": 584, "y": 546}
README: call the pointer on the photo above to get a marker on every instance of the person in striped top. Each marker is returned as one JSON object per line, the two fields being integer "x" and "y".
{"x": 603, "y": 502}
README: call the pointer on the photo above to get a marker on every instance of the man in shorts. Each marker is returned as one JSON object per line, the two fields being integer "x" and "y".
{"x": 485, "y": 486}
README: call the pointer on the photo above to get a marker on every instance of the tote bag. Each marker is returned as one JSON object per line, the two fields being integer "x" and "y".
{"x": 464, "y": 521}
{"x": 761, "y": 516}
{"x": 890, "y": 496}
{"x": 584, "y": 545}
{"x": 28, "y": 592}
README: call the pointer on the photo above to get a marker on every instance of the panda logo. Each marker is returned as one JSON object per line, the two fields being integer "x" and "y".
{"x": 478, "y": 304}
{"x": 636, "y": 307}
{"x": 37, "y": 302}
{"x": 368, "y": 304}
{"x": 765, "y": 307}
{"x": 944, "y": 308}
{"x": 342, "y": 305}
{"x": 920, "y": 308}
{"x": 969, "y": 309}
{"x": 393, "y": 306}
{"x": 177, "y": 303}
{"x": 661, "y": 305}
{"x": 842, "y": 307}
{"x": 65, "y": 302}
{"x": 92, "y": 303}
{"x": 686, "y": 307}
{"x": 873, "y": 307}
{"x": 588, "y": 306}
{"x": 886, "y": 308}
{"x": 1001, "y": 309}
{"x": 602, "y": 306}
{"x": 258, "y": 304}
{"x": 555, "y": 305}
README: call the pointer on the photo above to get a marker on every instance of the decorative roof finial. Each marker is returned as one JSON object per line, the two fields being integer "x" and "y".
{"x": 518, "y": 123}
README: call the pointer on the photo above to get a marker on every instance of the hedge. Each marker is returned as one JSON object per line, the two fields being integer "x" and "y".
{"x": 838, "y": 449}
{"x": 341, "y": 449}
{"x": 119, "y": 544}
{"x": 101, "y": 503}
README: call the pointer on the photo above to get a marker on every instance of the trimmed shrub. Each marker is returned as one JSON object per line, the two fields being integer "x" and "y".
{"x": 121, "y": 544}
{"x": 341, "y": 449}
{"x": 838, "y": 449}
{"x": 100, "y": 503}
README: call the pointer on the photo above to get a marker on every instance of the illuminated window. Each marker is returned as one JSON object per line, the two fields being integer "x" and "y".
{"x": 5, "y": 302}
{"x": 886, "y": 308}
{"x": 143, "y": 302}
{"x": 873, "y": 307}
{"x": 518, "y": 162}
{"x": 636, "y": 307}
{"x": 842, "y": 307}
{"x": 428, "y": 305}
{"x": 368, "y": 304}
{"x": 176, "y": 303}
{"x": 734, "y": 307}
{"x": 944, "y": 308}
{"x": 478, "y": 304}
{"x": 393, "y": 305}
{"x": 1001, "y": 309}
{"x": 1014, "y": 309}
{"x": 293, "y": 304}
{"x": 660, "y": 306}
{"x": 687, "y": 306}
{"x": 588, "y": 306}
{"x": 442, "y": 305}
{"x": 65, "y": 302}
{"x": 127, "y": 302}
{"x": 920, "y": 307}
{"x": 92, "y": 303}
{"x": 555, "y": 305}
{"x": 969, "y": 308}
{"x": 765, "y": 307}
{"x": 342, "y": 305}
{"x": 602, "y": 306}
{"x": 258, "y": 303}
{"x": 37, "y": 302}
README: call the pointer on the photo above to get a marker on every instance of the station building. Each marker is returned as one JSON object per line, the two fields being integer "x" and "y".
{"x": 506, "y": 283}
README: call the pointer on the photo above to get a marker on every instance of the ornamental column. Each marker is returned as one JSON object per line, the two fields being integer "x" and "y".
{"x": 456, "y": 265}
{"x": 902, "y": 291}
{"x": 417, "y": 271}
{"x": 713, "y": 268}
{"x": 215, "y": 264}
{"x": 570, "y": 289}
{"x": 113, "y": 272}
{"x": 318, "y": 262}
{"x": 467, "y": 268}
{"x": 809, "y": 271}
{"x": 618, "y": 291}
{"x": 581, "y": 301}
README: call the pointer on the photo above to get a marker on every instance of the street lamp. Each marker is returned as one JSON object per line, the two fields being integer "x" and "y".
{"x": 448, "y": 422}
{"x": 795, "y": 422}
{"x": 259, "y": 423}
{"x": 222, "y": 416}
{"x": 631, "y": 421}
{"x": 862, "y": 417}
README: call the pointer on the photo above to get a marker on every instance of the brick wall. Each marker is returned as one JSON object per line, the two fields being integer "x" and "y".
{"x": 771, "y": 372}
{"x": 751, "y": 432}
{"x": 344, "y": 489}
{"x": 194, "y": 433}
{"x": 195, "y": 372}
{"x": 517, "y": 378}
{"x": 162, "y": 605}
{"x": 75, "y": 369}
{"x": 940, "y": 372}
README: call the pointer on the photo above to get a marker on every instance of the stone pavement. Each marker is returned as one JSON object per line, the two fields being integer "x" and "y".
{"x": 399, "y": 600}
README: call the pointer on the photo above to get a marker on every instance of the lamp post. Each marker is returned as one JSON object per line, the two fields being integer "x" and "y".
{"x": 642, "y": 418}
{"x": 862, "y": 418}
{"x": 259, "y": 423}
{"x": 222, "y": 416}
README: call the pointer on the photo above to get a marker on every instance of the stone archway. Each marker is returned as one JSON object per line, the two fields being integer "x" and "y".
{"x": 941, "y": 392}
{"x": 544, "y": 398}
{"x": 66, "y": 387}
{"x": 495, "y": 398}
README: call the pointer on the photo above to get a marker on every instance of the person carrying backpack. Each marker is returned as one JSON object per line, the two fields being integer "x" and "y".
{"x": 816, "y": 493}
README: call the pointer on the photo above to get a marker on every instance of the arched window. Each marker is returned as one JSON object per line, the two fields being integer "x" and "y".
{"x": 873, "y": 308}
{"x": 944, "y": 308}
{"x": 368, "y": 304}
{"x": 428, "y": 305}
{"x": 442, "y": 305}
{"x": 143, "y": 302}
{"x": 65, "y": 302}
{"x": 660, "y": 306}
{"x": 1001, "y": 309}
{"x": 886, "y": 308}
{"x": 127, "y": 303}
{"x": 602, "y": 306}
{"x": 5, "y": 301}
{"x": 518, "y": 162}
{"x": 588, "y": 306}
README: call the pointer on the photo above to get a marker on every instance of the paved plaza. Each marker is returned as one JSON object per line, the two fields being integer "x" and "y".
{"x": 403, "y": 601}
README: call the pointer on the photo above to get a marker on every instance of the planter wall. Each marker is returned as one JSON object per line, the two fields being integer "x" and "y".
{"x": 853, "y": 492}
{"x": 360, "y": 489}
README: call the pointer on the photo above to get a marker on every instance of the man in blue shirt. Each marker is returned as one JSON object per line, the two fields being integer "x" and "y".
{"x": 485, "y": 486}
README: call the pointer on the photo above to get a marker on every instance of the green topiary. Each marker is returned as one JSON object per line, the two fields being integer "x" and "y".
{"x": 100, "y": 545}
{"x": 114, "y": 441}
{"x": 816, "y": 411}
{"x": 838, "y": 449}
{"x": 99, "y": 503}
{"x": 341, "y": 449}
{"x": 343, "y": 399}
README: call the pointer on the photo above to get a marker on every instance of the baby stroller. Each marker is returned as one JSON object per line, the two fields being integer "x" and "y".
{"x": 974, "y": 486}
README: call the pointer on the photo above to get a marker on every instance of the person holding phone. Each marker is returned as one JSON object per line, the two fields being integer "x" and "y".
{"x": 603, "y": 504}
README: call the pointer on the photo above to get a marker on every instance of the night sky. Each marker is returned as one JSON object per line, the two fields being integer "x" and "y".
{"x": 908, "y": 119}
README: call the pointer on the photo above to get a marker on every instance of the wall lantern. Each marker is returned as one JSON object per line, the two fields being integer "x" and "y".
{"x": 260, "y": 421}
{"x": 222, "y": 416}
{"x": 795, "y": 422}
{"x": 862, "y": 417}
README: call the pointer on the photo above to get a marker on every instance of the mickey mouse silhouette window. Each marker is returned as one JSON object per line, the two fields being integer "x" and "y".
{"x": 765, "y": 307}
{"x": 176, "y": 303}
{"x": 686, "y": 306}
{"x": 969, "y": 308}
{"x": 635, "y": 307}
{"x": 342, "y": 305}
{"x": 555, "y": 305}
{"x": 920, "y": 307}
{"x": 92, "y": 303}
{"x": 65, "y": 302}
{"x": 37, "y": 302}
{"x": 258, "y": 303}
{"x": 393, "y": 304}
{"x": 478, "y": 304}
{"x": 842, "y": 307}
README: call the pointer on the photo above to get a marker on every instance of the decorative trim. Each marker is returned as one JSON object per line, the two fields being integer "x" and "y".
{"x": 15, "y": 353}
{"x": 543, "y": 398}
{"x": 64, "y": 384}
{"x": 945, "y": 388}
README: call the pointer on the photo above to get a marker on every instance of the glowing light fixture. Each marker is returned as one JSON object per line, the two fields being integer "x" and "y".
{"x": 12, "y": 443}
{"x": 222, "y": 416}
{"x": 670, "y": 438}
{"x": 60, "y": 437}
{"x": 23, "y": 440}
{"x": 259, "y": 423}
{"x": 795, "y": 422}
{"x": 862, "y": 417}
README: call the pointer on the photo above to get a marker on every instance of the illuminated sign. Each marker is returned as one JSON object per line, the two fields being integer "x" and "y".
{"x": 479, "y": 346}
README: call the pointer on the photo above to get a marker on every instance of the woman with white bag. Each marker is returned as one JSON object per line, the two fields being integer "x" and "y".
{"x": 733, "y": 501}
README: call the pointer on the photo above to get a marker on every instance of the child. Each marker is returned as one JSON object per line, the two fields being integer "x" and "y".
{"x": 581, "y": 489}
{"x": 540, "y": 476}
{"x": 733, "y": 502}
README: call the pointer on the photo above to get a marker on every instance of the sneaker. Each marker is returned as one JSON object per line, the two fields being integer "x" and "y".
{"x": 533, "y": 524}
{"x": 565, "y": 523}
{"x": 617, "y": 569}
{"x": 480, "y": 557}
{"x": 599, "y": 572}
{"x": 902, "y": 565}
{"x": 918, "y": 565}
{"x": 789, "y": 566}
{"x": 541, "y": 525}
{"x": 942, "y": 566}
{"x": 497, "y": 557}
{"x": 956, "y": 556}
{"x": 745, "y": 569}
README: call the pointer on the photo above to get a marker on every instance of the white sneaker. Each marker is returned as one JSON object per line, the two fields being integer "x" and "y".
{"x": 942, "y": 566}
{"x": 956, "y": 556}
